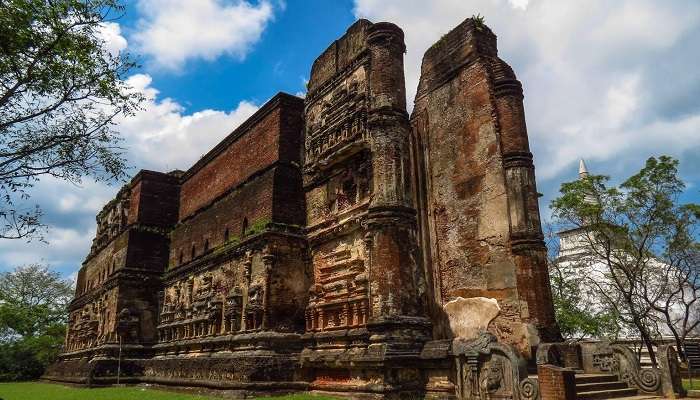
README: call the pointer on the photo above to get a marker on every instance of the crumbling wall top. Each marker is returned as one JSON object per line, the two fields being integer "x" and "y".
{"x": 458, "y": 47}
{"x": 339, "y": 54}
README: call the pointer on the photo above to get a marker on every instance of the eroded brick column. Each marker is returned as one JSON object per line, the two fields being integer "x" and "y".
{"x": 526, "y": 239}
{"x": 394, "y": 273}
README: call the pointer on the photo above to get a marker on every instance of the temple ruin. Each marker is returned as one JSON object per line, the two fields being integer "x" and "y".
{"x": 335, "y": 243}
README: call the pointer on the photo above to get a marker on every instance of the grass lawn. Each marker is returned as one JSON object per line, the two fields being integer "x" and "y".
{"x": 48, "y": 391}
{"x": 696, "y": 384}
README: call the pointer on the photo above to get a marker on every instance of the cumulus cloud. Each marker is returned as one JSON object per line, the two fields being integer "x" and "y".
{"x": 606, "y": 81}
{"x": 111, "y": 33}
{"x": 69, "y": 211}
{"x": 175, "y": 31}
{"x": 163, "y": 136}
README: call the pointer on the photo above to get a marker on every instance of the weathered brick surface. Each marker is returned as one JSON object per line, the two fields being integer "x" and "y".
{"x": 556, "y": 383}
{"x": 316, "y": 245}
{"x": 269, "y": 136}
{"x": 478, "y": 216}
{"x": 248, "y": 204}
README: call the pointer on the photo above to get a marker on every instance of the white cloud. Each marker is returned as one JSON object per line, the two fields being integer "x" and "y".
{"x": 164, "y": 137}
{"x": 65, "y": 245}
{"x": 175, "y": 31}
{"x": 522, "y": 4}
{"x": 111, "y": 33}
{"x": 599, "y": 77}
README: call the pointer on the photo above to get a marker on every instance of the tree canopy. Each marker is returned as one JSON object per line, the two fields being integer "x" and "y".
{"x": 60, "y": 92}
{"x": 641, "y": 248}
{"x": 33, "y": 316}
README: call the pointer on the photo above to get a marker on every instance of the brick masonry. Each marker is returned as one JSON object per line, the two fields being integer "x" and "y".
{"x": 317, "y": 245}
{"x": 556, "y": 383}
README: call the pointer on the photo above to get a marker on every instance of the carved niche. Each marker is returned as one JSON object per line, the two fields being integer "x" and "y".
{"x": 112, "y": 220}
{"x": 336, "y": 119}
{"x": 233, "y": 310}
{"x": 339, "y": 297}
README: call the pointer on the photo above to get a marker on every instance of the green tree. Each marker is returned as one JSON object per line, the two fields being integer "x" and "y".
{"x": 33, "y": 302}
{"x": 60, "y": 92}
{"x": 577, "y": 316}
{"x": 634, "y": 234}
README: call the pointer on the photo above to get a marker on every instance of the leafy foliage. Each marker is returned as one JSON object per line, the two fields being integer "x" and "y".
{"x": 641, "y": 248}
{"x": 33, "y": 300}
{"x": 479, "y": 21}
{"x": 60, "y": 92}
{"x": 575, "y": 314}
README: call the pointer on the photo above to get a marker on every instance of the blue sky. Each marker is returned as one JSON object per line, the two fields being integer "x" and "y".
{"x": 611, "y": 82}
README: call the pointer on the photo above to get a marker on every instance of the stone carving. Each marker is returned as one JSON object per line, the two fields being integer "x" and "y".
{"x": 669, "y": 369}
{"x": 492, "y": 378}
{"x": 487, "y": 369}
{"x": 605, "y": 361}
{"x": 627, "y": 368}
{"x": 529, "y": 389}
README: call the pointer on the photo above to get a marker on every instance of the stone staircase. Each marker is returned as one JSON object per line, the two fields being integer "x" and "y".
{"x": 601, "y": 386}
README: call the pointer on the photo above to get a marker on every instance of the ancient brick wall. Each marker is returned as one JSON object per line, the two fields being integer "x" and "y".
{"x": 132, "y": 236}
{"x": 92, "y": 323}
{"x": 237, "y": 263}
{"x": 260, "y": 284}
{"x": 356, "y": 129}
{"x": 155, "y": 198}
{"x": 103, "y": 264}
{"x": 318, "y": 244}
{"x": 265, "y": 138}
{"x": 243, "y": 195}
{"x": 476, "y": 192}
{"x": 236, "y": 212}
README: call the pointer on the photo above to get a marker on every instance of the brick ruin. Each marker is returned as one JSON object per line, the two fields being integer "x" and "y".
{"x": 334, "y": 243}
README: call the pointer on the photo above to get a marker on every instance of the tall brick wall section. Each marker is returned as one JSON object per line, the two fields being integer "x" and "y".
{"x": 288, "y": 198}
{"x": 157, "y": 199}
{"x": 252, "y": 177}
{"x": 556, "y": 383}
{"x": 475, "y": 188}
{"x": 251, "y": 203}
{"x": 147, "y": 250}
{"x": 265, "y": 138}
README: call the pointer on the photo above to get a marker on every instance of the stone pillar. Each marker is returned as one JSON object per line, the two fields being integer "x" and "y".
{"x": 247, "y": 270}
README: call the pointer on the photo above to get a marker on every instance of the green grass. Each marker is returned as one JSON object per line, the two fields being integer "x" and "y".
{"x": 696, "y": 384}
{"x": 48, "y": 391}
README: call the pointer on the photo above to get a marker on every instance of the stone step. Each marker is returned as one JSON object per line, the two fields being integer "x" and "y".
{"x": 606, "y": 394}
{"x": 595, "y": 378}
{"x": 597, "y": 386}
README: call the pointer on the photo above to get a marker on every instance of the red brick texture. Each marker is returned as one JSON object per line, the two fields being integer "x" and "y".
{"x": 271, "y": 135}
{"x": 556, "y": 383}
{"x": 252, "y": 177}
{"x": 475, "y": 187}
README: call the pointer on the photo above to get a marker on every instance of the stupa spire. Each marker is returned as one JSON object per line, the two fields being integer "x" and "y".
{"x": 582, "y": 169}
